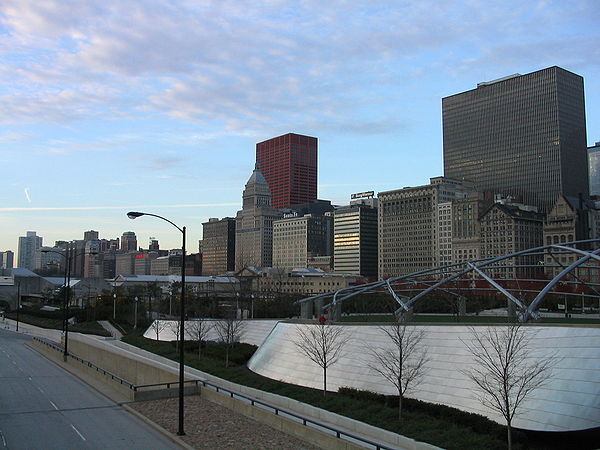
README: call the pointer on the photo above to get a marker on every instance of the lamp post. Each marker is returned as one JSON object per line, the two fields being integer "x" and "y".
{"x": 135, "y": 215}
{"x": 18, "y": 302}
{"x": 68, "y": 255}
{"x": 114, "y": 306}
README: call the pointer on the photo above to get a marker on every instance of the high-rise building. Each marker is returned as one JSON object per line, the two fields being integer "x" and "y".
{"x": 29, "y": 245}
{"x": 129, "y": 242}
{"x": 355, "y": 238}
{"x": 296, "y": 239}
{"x": 521, "y": 135}
{"x": 218, "y": 246}
{"x": 254, "y": 224}
{"x": 289, "y": 164}
{"x": 7, "y": 259}
{"x": 594, "y": 168}
{"x": 409, "y": 222}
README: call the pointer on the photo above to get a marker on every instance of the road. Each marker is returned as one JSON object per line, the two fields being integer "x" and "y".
{"x": 43, "y": 406}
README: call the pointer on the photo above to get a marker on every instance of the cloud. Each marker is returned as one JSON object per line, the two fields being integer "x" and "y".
{"x": 241, "y": 69}
{"x": 100, "y": 208}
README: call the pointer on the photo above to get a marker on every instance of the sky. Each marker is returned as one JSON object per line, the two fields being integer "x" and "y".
{"x": 156, "y": 106}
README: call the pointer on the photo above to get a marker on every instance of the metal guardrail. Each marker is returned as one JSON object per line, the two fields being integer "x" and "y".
{"x": 87, "y": 363}
{"x": 340, "y": 434}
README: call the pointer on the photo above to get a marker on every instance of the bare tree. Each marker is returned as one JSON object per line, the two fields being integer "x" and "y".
{"x": 323, "y": 344}
{"x": 230, "y": 330}
{"x": 198, "y": 330}
{"x": 402, "y": 362}
{"x": 157, "y": 327}
{"x": 175, "y": 327}
{"x": 504, "y": 371}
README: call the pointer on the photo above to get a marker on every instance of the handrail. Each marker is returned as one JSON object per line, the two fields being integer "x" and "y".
{"x": 87, "y": 363}
{"x": 276, "y": 410}
{"x": 340, "y": 434}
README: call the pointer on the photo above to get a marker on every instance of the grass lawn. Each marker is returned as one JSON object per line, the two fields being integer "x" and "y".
{"x": 438, "y": 425}
{"x": 91, "y": 327}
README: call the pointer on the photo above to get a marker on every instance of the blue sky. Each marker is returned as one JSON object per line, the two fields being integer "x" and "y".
{"x": 157, "y": 105}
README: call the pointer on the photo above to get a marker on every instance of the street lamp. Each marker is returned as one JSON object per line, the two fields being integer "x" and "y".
{"x": 134, "y": 215}
{"x": 68, "y": 255}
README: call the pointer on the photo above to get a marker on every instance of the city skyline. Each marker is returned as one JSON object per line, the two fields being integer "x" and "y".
{"x": 101, "y": 116}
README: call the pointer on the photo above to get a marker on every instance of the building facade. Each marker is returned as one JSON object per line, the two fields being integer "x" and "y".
{"x": 466, "y": 229}
{"x": 509, "y": 228}
{"x": 289, "y": 164}
{"x": 409, "y": 224}
{"x": 7, "y": 259}
{"x": 29, "y": 245}
{"x": 594, "y": 168}
{"x": 129, "y": 242}
{"x": 298, "y": 239}
{"x": 522, "y": 135}
{"x": 254, "y": 224}
{"x": 218, "y": 246}
{"x": 355, "y": 239}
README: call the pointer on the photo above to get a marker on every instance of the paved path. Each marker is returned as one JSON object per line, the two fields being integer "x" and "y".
{"x": 42, "y": 406}
{"x": 111, "y": 329}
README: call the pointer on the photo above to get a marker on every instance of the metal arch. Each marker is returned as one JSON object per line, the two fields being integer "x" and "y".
{"x": 536, "y": 301}
{"x": 460, "y": 270}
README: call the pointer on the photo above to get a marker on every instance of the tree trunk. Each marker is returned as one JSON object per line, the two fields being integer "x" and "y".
{"x": 509, "y": 435}
{"x": 227, "y": 356}
{"x": 400, "y": 406}
{"x": 324, "y": 380}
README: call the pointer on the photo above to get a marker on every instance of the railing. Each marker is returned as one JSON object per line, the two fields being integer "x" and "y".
{"x": 87, "y": 363}
{"x": 340, "y": 434}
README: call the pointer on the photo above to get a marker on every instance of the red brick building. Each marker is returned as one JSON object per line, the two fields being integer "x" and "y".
{"x": 289, "y": 164}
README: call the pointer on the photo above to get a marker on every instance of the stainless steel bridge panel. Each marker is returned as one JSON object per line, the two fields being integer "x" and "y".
{"x": 569, "y": 401}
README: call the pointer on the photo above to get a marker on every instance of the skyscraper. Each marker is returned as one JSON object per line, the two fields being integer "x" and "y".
{"x": 254, "y": 224}
{"x": 28, "y": 246}
{"x": 521, "y": 135}
{"x": 218, "y": 246}
{"x": 129, "y": 242}
{"x": 289, "y": 164}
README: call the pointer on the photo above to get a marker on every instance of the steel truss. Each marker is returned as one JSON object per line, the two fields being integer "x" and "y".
{"x": 477, "y": 276}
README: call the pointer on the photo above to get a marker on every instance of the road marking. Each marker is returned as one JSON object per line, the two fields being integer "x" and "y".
{"x": 3, "y": 440}
{"x": 77, "y": 431}
{"x": 55, "y": 407}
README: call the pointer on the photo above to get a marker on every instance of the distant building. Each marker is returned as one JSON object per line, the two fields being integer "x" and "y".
{"x": 296, "y": 239}
{"x": 355, "y": 238}
{"x": 129, "y": 242}
{"x": 594, "y": 168}
{"x": 466, "y": 229}
{"x": 49, "y": 259}
{"x": 167, "y": 265}
{"x": 521, "y": 135}
{"x": 29, "y": 245}
{"x": 409, "y": 222}
{"x": 7, "y": 259}
{"x": 254, "y": 224}
{"x": 570, "y": 219}
{"x": 218, "y": 246}
{"x": 142, "y": 262}
{"x": 289, "y": 164}
{"x": 509, "y": 228}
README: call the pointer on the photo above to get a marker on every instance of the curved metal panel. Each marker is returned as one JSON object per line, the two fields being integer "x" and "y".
{"x": 570, "y": 401}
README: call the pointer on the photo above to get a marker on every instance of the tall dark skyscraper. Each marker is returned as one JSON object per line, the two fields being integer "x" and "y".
{"x": 521, "y": 135}
{"x": 289, "y": 164}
